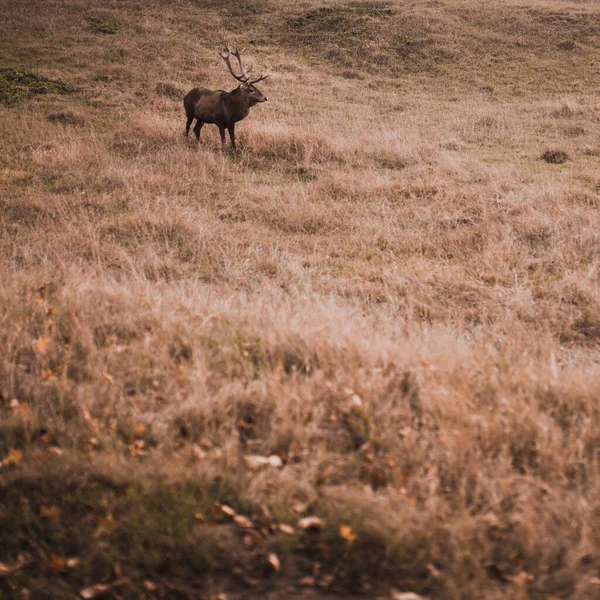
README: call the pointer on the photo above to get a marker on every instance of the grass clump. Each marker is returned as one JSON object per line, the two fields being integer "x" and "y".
{"x": 17, "y": 85}
{"x": 168, "y": 90}
{"x": 372, "y": 333}
{"x": 555, "y": 157}
{"x": 103, "y": 24}
{"x": 66, "y": 118}
{"x": 336, "y": 23}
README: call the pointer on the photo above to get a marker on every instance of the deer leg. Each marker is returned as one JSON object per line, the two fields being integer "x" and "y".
{"x": 231, "y": 129}
{"x": 222, "y": 132}
{"x": 188, "y": 125}
{"x": 197, "y": 128}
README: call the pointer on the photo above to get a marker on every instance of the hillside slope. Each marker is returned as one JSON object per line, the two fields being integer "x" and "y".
{"x": 382, "y": 312}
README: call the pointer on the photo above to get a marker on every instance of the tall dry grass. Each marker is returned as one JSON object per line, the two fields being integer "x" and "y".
{"x": 387, "y": 288}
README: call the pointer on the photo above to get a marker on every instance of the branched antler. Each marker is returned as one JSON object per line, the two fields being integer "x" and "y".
{"x": 261, "y": 78}
{"x": 225, "y": 52}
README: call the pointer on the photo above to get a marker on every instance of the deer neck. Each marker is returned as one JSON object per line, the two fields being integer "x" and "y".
{"x": 240, "y": 103}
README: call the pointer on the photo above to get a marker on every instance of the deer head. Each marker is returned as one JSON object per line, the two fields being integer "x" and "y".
{"x": 247, "y": 85}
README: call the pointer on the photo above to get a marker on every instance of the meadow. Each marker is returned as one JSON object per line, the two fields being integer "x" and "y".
{"x": 360, "y": 355}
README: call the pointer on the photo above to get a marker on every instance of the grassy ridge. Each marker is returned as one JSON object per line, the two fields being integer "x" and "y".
{"x": 390, "y": 292}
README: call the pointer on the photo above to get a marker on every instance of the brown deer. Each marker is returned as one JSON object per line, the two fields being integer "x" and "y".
{"x": 224, "y": 109}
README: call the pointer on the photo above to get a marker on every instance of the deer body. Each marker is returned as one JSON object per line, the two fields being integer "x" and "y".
{"x": 222, "y": 108}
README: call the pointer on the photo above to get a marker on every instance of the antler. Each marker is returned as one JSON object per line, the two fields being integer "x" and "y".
{"x": 225, "y": 53}
{"x": 261, "y": 78}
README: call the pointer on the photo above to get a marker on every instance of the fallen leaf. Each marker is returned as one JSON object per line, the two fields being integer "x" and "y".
{"x": 136, "y": 448}
{"x": 101, "y": 588}
{"x": 300, "y": 507}
{"x": 198, "y": 452}
{"x": 242, "y": 521}
{"x": 396, "y": 595}
{"x": 139, "y": 431}
{"x": 227, "y": 510}
{"x": 149, "y": 585}
{"x": 307, "y": 581}
{"x": 275, "y": 461}
{"x": 220, "y": 512}
{"x": 311, "y": 523}
{"x": 256, "y": 462}
{"x": 199, "y": 517}
{"x": 56, "y": 563}
{"x": 56, "y": 450}
{"x": 274, "y": 561}
{"x": 14, "y": 457}
{"x": 347, "y": 534}
{"x": 48, "y": 512}
{"x": 9, "y": 569}
{"x": 94, "y": 591}
{"x": 107, "y": 526}
{"x": 288, "y": 529}
{"x": 73, "y": 563}
{"x": 41, "y": 345}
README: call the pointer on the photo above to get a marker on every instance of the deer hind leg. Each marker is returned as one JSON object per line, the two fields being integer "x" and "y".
{"x": 231, "y": 129}
{"x": 188, "y": 125}
{"x": 197, "y": 128}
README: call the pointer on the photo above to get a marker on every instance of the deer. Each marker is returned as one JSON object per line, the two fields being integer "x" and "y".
{"x": 222, "y": 108}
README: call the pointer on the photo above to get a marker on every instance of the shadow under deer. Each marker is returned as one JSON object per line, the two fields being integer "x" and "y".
{"x": 224, "y": 109}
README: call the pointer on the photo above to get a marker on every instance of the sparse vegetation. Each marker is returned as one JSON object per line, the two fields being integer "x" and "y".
{"x": 362, "y": 353}
{"x": 555, "y": 157}
{"x": 16, "y": 85}
{"x": 103, "y": 24}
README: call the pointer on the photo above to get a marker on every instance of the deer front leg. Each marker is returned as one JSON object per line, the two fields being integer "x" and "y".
{"x": 231, "y": 129}
{"x": 222, "y": 132}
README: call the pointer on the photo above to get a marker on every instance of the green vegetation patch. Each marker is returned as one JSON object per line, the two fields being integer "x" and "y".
{"x": 338, "y": 21}
{"x": 103, "y": 24}
{"x": 370, "y": 37}
{"x": 168, "y": 90}
{"x": 555, "y": 157}
{"x": 237, "y": 8}
{"x": 17, "y": 85}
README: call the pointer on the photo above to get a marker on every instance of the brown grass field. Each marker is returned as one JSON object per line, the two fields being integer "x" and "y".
{"x": 383, "y": 311}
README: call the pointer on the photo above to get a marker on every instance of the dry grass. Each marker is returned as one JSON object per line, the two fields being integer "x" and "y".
{"x": 388, "y": 287}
